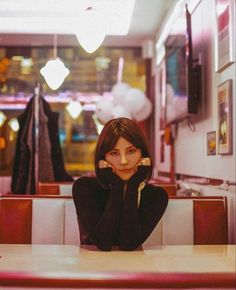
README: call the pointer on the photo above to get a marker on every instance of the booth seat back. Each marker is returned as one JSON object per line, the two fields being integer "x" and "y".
{"x": 55, "y": 188}
{"x": 5, "y": 184}
{"x": 38, "y": 221}
{"x": 65, "y": 188}
{"x": 192, "y": 220}
{"x": 52, "y": 220}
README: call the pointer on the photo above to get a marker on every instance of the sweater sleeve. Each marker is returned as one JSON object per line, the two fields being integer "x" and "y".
{"x": 99, "y": 219}
{"x": 137, "y": 223}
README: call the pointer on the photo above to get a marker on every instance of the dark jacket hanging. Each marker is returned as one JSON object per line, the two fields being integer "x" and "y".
{"x": 23, "y": 176}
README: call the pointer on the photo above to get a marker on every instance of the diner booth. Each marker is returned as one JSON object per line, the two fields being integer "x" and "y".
{"x": 178, "y": 84}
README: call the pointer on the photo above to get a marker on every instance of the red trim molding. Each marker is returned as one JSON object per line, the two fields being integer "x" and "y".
{"x": 120, "y": 280}
{"x": 193, "y": 179}
{"x": 17, "y": 196}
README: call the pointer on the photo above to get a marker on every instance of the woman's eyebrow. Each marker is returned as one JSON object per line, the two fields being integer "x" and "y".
{"x": 127, "y": 148}
{"x": 130, "y": 147}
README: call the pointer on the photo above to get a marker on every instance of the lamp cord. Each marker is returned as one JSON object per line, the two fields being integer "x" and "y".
{"x": 191, "y": 125}
{"x": 55, "y": 46}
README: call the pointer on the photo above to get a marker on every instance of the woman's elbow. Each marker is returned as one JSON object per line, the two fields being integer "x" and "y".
{"x": 129, "y": 246}
{"x": 104, "y": 247}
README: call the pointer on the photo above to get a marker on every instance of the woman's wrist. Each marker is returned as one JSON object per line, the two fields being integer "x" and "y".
{"x": 110, "y": 177}
{"x": 138, "y": 179}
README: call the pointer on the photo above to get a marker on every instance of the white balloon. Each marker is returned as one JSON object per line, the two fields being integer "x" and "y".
{"x": 177, "y": 108}
{"x": 103, "y": 110}
{"x": 170, "y": 113}
{"x": 169, "y": 91}
{"x": 120, "y": 111}
{"x": 134, "y": 100}
{"x": 145, "y": 112}
{"x": 119, "y": 91}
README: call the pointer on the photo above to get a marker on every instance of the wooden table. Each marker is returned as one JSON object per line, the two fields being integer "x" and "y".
{"x": 161, "y": 267}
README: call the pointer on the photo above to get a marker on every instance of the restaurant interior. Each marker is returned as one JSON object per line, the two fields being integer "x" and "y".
{"x": 66, "y": 69}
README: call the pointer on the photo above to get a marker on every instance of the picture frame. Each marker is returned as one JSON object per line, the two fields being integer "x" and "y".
{"x": 225, "y": 131}
{"x": 162, "y": 147}
{"x": 211, "y": 143}
{"x": 224, "y": 48}
{"x": 162, "y": 94}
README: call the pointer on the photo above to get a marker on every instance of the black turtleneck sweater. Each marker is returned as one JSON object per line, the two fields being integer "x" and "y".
{"x": 116, "y": 216}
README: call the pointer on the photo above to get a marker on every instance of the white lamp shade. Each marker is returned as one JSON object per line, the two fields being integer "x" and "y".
{"x": 54, "y": 73}
{"x": 74, "y": 108}
{"x": 91, "y": 30}
{"x": 90, "y": 41}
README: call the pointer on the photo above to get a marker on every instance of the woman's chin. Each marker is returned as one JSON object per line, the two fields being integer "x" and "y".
{"x": 125, "y": 177}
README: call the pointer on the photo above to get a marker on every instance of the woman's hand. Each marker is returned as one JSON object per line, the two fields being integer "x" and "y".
{"x": 108, "y": 172}
{"x": 142, "y": 171}
{"x": 145, "y": 161}
{"x": 104, "y": 164}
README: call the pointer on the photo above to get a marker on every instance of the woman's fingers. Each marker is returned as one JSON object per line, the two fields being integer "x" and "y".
{"x": 104, "y": 164}
{"x": 145, "y": 161}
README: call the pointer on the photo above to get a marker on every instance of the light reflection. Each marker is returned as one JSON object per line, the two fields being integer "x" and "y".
{"x": 14, "y": 124}
{"x": 74, "y": 108}
{"x": 220, "y": 8}
{"x": 2, "y": 118}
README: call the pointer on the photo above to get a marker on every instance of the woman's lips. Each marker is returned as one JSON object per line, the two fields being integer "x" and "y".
{"x": 125, "y": 170}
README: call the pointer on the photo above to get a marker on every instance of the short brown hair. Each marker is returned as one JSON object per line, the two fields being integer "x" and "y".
{"x": 111, "y": 132}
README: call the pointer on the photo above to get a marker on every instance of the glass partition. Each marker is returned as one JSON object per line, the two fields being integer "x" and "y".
{"x": 91, "y": 75}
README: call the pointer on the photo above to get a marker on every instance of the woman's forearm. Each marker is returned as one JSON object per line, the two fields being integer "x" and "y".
{"x": 105, "y": 231}
{"x": 130, "y": 230}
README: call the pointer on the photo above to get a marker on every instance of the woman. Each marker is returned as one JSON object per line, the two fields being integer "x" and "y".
{"x": 118, "y": 206}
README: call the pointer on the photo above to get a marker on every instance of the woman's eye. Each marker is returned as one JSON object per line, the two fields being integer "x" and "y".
{"x": 131, "y": 151}
{"x": 114, "y": 153}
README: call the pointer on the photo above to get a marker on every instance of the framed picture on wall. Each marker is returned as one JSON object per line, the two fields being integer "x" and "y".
{"x": 224, "y": 42}
{"x": 211, "y": 143}
{"x": 225, "y": 118}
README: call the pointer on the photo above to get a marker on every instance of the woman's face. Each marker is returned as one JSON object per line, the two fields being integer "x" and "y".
{"x": 124, "y": 158}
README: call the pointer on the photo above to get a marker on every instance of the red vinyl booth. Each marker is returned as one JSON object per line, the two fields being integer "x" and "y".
{"x": 210, "y": 222}
{"x": 52, "y": 220}
{"x": 15, "y": 221}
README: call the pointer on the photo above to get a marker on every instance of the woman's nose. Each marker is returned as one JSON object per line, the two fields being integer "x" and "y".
{"x": 123, "y": 159}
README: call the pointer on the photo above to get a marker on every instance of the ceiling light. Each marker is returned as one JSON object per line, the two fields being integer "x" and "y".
{"x": 2, "y": 118}
{"x": 74, "y": 108}
{"x": 2, "y": 143}
{"x": 102, "y": 63}
{"x": 54, "y": 72}
{"x": 14, "y": 124}
{"x": 91, "y": 29}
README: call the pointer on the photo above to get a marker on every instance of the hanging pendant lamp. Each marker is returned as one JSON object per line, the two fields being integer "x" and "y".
{"x": 54, "y": 72}
{"x": 74, "y": 108}
{"x": 91, "y": 31}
